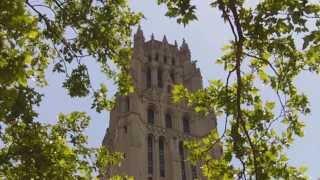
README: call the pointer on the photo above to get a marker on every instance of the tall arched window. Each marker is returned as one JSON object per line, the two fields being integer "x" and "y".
{"x": 169, "y": 89}
{"x": 186, "y": 125}
{"x": 173, "y": 61}
{"x": 183, "y": 167}
{"x": 194, "y": 172}
{"x": 148, "y": 77}
{"x": 149, "y": 58}
{"x": 161, "y": 157}
{"x": 172, "y": 76}
{"x": 168, "y": 121}
{"x": 125, "y": 104}
{"x": 160, "y": 83}
{"x": 150, "y": 154}
{"x": 150, "y": 115}
{"x": 127, "y": 100}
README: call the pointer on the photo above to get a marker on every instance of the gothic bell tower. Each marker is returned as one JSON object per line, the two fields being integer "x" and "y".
{"x": 145, "y": 125}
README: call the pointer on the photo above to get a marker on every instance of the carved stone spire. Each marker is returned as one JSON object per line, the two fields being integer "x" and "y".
{"x": 139, "y": 29}
{"x": 138, "y": 43}
{"x": 164, "y": 40}
{"x": 184, "y": 50}
{"x": 184, "y": 45}
{"x": 139, "y": 35}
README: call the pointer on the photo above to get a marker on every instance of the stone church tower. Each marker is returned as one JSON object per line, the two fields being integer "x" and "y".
{"x": 145, "y": 125}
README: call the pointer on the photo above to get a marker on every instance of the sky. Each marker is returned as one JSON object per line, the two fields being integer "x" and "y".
{"x": 205, "y": 38}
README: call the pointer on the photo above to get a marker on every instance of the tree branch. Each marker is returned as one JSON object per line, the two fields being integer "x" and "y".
{"x": 239, "y": 54}
{"x": 264, "y": 60}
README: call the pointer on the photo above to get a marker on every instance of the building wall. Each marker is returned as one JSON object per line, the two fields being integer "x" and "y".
{"x": 129, "y": 127}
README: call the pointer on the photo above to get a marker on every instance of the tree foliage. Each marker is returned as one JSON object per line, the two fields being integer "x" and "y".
{"x": 266, "y": 49}
{"x": 67, "y": 34}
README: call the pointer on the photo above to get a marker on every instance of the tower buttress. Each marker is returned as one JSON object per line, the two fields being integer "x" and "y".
{"x": 139, "y": 38}
{"x": 137, "y": 58}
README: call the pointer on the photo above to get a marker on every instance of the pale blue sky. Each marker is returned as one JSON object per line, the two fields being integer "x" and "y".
{"x": 205, "y": 37}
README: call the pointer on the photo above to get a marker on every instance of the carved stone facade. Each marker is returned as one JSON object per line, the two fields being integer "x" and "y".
{"x": 145, "y": 125}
